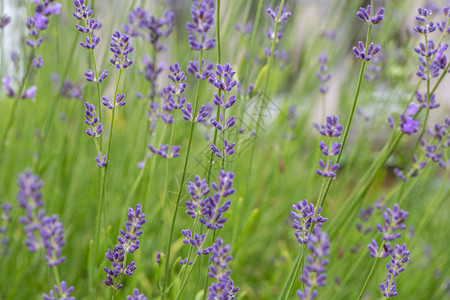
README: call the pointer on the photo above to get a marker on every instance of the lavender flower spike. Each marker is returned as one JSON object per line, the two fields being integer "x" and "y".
{"x": 202, "y": 19}
{"x": 314, "y": 271}
{"x": 120, "y": 47}
{"x": 303, "y": 215}
{"x": 364, "y": 15}
{"x": 365, "y": 54}
{"x": 128, "y": 242}
{"x": 399, "y": 256}
{"x": 52, "y": 238}
{"x": 393, "y": 221}
{"x": 60, "y": 292}
{"x": 224, "y": 287}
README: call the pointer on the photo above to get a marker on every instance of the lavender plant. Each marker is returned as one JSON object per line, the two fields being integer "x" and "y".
{"x": 243, "y": 151}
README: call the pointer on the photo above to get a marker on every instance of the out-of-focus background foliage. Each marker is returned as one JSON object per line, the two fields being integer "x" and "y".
{"x": 275, "y": 170}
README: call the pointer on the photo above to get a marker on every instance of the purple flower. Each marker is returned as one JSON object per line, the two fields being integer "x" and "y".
{"x": 201, "y": 114}
{"x": 327, "y": 169}
{"x": 373, "y": 249}
{"x": 30, "y": 93}
{"x": 128, "y": 242}
{"x": 175, "y": 151}
{"x": 314, "y": 271}
{"x": 393, "y": 221}
{"x": 304, "y": 215}
{"x": 136, "y": 296}
{"x": 424, "y": 26}
{"x": 224, "y": 287}
{"x": 198, "y": 190}
{"x": 90, "y": 76}
{"x": 223, "y": 77}
{"x": 425, "y": 103}
{"x": 274, "y": 15}
{"x": 172, "y": 93}
{"x": 210, "y": 208}
{"x": 38, "y": 62}
{"x": 399, "y": 174}
{"x": 203, "y": 72}
{"x": 365, "y": 54}
{"x": 95, "y": 128}
{"x": 147, "y": 26}
{"x": 60, "y": 292}
{"x": 7, "y": 86}
{"x": 101, "y": 160}
{"x": 29, "y": 198}
{"x": 84, "y": 13}
{"x": 120, "y": 47}
{"x": 408, "y": 125}
{"x": 5, "y": 211}
{"x": 323, "y": 74}
{"x": 4, "y": 20}
{"x": 196, "y": 241}
{"x": 52, "y": 238}
{"x": 334, "y": 150}
{"x": 331, "y": 128}
{"x": 159, "y": 257}
{"x": 202, "y": 19}
{"x": 364, "y": 15}
{"x": 118, "y": 102}
{"x": 399, "y": 256}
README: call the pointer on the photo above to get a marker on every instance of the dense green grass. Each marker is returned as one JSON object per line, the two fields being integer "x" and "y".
{"x": 272, "y": 172}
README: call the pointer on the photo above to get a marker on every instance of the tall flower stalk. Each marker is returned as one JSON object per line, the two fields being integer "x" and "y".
{"x": 203, "y": 18}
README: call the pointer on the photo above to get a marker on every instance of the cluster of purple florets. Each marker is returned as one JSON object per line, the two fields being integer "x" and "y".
{"x": 128, "y": 243}
{"x": 331, "y": 129}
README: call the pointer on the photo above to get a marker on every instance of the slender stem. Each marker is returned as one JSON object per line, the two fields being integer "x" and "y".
{"x": 194, "y": 224}
{"x": 169, "y": 158}
{"x": 102, "y": 195}
{"x": 432, "y": 204}
{"x": 427, "y": 109}
{"x": 183, "y": 284}
{"x": 219, "y": 61}
{"x": 174, "y": 217}
{"x": 361, "y": 293}
{"x": 56, "y": 274}
{"x": 205, "y": 290}
{"x": 15, "y": 104}
{"x": 253, "y": 43}
{"x": 274, "y": 43}
{"x": 97, "y": 84}
{"x": 288, "y": 284}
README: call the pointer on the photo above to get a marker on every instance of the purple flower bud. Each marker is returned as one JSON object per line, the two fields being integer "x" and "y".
{"x": 136, "y": 295}
{"x": 60, "y": 292}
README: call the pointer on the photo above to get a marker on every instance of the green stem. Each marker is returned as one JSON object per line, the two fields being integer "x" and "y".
{"x": 219, "y": 91}
{"x": 169, "y": 158}
{"x": 97, "y": 84}
{"x": 289, "y": 283}
{"x": 274, "y": 43}
{"x": 432, "y": 204}
{"x": 183, "y": 284}
{"x": 102, "y": 195}
{"x": 56, "y": 274}
{"x": 205, "y": 290}
{"x": 15, "y": 104}
{"x": 427, "y": 109}
{"x": 174, "y": 217}
{"x": 361, "y": 293}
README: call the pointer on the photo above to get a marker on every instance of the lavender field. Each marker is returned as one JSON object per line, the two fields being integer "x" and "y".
{"x": 209, "y": 150}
